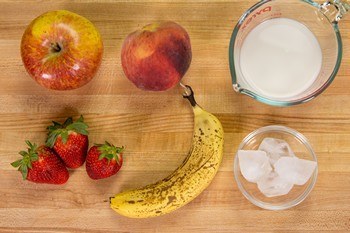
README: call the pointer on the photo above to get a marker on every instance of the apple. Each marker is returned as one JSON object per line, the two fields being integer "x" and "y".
{"x": 157, "y": 56}
{"x": 61, "y": 50}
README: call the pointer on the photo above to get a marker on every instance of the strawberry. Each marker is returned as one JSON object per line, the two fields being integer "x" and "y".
{"x": 70, "y": 141}
{"x": 103, "y": 160}
{"x": 41, "y": 165}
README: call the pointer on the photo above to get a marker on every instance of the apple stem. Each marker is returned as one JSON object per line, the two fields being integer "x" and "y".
{"x": 55, "y": 47}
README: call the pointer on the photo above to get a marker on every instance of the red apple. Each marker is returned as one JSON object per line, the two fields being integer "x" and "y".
{"x": 157, "y": 56}
{"x": 61, "y": 50}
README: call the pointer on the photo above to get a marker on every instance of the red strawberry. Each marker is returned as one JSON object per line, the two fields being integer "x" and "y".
{"x": 70, "y": 141}
{"x": 103, "y": 160}
{"x": 41, "y": 165}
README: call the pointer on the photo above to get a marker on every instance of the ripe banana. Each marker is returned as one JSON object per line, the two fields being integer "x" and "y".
{"x": 188, "y": 180}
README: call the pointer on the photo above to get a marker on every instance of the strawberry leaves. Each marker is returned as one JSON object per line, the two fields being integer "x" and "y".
{"x": 57, "y": 129}
{"x": 28, "y": 157}
{"x": 109, "y": 152}
{"x": 78, "y": 126}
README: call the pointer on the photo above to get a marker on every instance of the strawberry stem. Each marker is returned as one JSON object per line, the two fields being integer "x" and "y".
{"x": 57, "y": 129}
{"x": 109, "y": 151}
{"x": 28, "y": 157}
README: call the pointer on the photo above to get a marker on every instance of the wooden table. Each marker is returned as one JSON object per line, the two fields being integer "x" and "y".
{"x": 156, "y": 128}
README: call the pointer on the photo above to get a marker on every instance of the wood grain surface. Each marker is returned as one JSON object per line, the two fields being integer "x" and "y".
{"x": 156, "y": 128}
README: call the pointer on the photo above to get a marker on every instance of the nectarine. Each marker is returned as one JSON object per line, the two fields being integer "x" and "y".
{"x": 157, "y": 56}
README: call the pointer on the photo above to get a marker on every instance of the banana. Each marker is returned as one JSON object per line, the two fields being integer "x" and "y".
{"x": 188, "y": 180}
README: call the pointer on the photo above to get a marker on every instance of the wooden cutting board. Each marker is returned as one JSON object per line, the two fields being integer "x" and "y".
{"x": 156, "y": 128}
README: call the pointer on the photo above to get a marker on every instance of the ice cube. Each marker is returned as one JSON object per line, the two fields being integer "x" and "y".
{"x": 272, "y": 185}
{"x": 253, "y": 164}
{"x": 295, "y": 170}
{"x": 275, "y": 148}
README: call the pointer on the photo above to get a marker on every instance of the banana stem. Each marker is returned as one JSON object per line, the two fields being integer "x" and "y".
{"x": 189, "y": 94}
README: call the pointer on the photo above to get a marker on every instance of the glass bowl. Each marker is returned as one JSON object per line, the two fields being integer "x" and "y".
{"x": 302, "y": 149}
